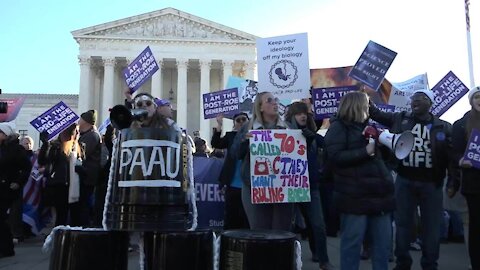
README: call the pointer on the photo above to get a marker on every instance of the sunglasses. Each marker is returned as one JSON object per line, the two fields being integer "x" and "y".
{"x": 240, "y": 119}
{"x": 271, "y": 100}
{"x": 147, "y": 103}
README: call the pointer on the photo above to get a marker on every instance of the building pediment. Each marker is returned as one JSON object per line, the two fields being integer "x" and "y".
{"x": 167, "y": 24}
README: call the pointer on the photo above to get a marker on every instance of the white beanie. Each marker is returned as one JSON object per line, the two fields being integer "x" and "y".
{"x": 427, "y": 92}
{"x": 472, "y": 92}
{"x": 6, "y": 129}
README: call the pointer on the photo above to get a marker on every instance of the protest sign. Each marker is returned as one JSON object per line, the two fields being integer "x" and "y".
{"x": 447, "y": 91}
{"x": 401, "y": 92}
{"x": 220, "y": 102}
{"x": 326, "y": 100}
{"x": 13, "y": 107}
{"x": 140, "y": 70}
{"x": 383, "y": 108}
{"x": 283, "y": 66}
{"x": 103, "y": 127}
{"x": 279, "y": 166}
{"x": 210, "y": 201}
{"x": 373, "y": 64}
{"x": 247, "y": 91}
{"x": 55, "y": 120}
{"x": 472, "y": 153}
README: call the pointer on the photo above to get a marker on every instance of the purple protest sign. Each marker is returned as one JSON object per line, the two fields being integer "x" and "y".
{"x": 55, "y": 120}
{"x": 326, "y": 100}
{"x": 221, "y": 102}
{"x": 472, "y": 153}
{"x": 447, "y": 92}
{"x": 140, "y": 70}
{"x": 373, "y": 64}
{"x": 383, "y": 108}
{"x": 13, "y": 107}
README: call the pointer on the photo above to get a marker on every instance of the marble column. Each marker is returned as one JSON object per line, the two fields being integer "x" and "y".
{"x": 182, "y": 65}
{"x": 250, "y": 70}
{"x": 227, "y": 72}
{"x": 108, "y": 77}
{"x": 156, "y": 89}
{"x": 205, "y": 65}
{"x": 84, "y": 94}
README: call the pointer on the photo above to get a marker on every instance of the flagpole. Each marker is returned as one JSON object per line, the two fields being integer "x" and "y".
{"x": 469, "y": 44}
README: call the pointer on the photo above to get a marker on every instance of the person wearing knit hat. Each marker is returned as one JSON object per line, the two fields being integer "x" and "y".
{"x": 468, "y": 180}
{"x": 420, "y": 176}
{"x": 89, "y": 117}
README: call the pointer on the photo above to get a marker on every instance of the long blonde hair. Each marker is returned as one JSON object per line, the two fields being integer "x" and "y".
{"x": 257, "y": 114}
{"x": 353, "y": 107}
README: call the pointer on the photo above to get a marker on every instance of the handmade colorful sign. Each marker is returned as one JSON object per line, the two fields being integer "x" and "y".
{"x": 55, "y": 120}
{"x": 283, "y": 66}
{"x": 247, "y": 91}
{"x": 278, "y": 166}
{"x": 221, "y": 102}
{"x": 140, "y": 70}
{"x": 401, "y": 92}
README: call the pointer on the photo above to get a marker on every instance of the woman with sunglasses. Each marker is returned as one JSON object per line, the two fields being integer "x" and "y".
{"x": 274, "y": 216}
{"x": 229, "y": 178}
{"x": 146, "y": 102}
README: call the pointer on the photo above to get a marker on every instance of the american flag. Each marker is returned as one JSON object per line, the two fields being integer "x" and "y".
{"x": 467, "y": 14}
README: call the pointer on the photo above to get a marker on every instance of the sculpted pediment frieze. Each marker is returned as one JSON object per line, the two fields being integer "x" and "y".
{"x": 170, "y": 26}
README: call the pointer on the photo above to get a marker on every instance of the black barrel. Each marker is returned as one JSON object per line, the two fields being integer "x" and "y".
{"x": 89, "y": 249}
{"x": 257, "y": 250}
{"x": 178, "y": 250}
{"x": 148, "y": 190}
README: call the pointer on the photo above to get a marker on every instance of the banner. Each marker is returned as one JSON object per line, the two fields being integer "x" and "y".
{"x": 447, "y": 92}
{"x": 373, "y": 64}
{"x": 210, "y": 201}
{"x": 103, "y": 127}
{"x": 326, "y": 100}
{"x": 140, "y": 70}
{"x": 13, "y": 107}
{"x": 283, "y": 66}
{"x": 55, "y": 120}
{"x": 221, "y": 102}
{"x": 401, "y": 92}
{"x": 472, "y": 153}
{"x": 247, "y": 91}
{"x": 338, "y": 76}
{"x": 279, "y": 166}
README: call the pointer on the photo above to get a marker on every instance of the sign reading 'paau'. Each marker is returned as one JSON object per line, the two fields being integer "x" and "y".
{"x": 279, "y": 166}
{"x": 472, "y": 153}
{"x": 283, "y": 66}
{"x": 55, "y": 120}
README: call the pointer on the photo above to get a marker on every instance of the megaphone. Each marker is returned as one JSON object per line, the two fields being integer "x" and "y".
{"x": 122, "y": 117}
{"x": 401, "y": 144}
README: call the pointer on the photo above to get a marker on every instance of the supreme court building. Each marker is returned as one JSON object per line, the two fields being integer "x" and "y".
{"x": 195, "y": 56}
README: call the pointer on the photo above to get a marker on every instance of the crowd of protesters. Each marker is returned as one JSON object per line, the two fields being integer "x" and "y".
{"x": 353, "y": 178}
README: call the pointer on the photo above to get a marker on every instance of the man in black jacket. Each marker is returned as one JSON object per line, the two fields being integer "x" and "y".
{"x": 91, "y": 141}
{"x": 420, "y": 176}
{"x": 15, "y": 168}
{"x": 235, "y": 217}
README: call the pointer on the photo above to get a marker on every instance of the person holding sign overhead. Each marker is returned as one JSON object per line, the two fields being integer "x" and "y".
{"x": 469, "y": 178}
{"x": 299, "y": 116}
{"x": 363, "y": 185}
{"x": 271, "y": 216}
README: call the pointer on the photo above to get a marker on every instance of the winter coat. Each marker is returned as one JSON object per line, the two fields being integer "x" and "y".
{"x": 15, "y": 167}
{"x": 92, "y": 146}
{"x": 468, "y": 177}
{"x": 363, "y": 184}
{"x": 225, "y": 142}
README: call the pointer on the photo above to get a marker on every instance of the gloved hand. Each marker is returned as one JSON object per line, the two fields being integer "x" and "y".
{"x": 309, "y": 135}
{"x": 44, "y": 136}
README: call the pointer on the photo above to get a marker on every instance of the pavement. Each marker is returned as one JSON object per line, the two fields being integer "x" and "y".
{"x": 453, "y": 256}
